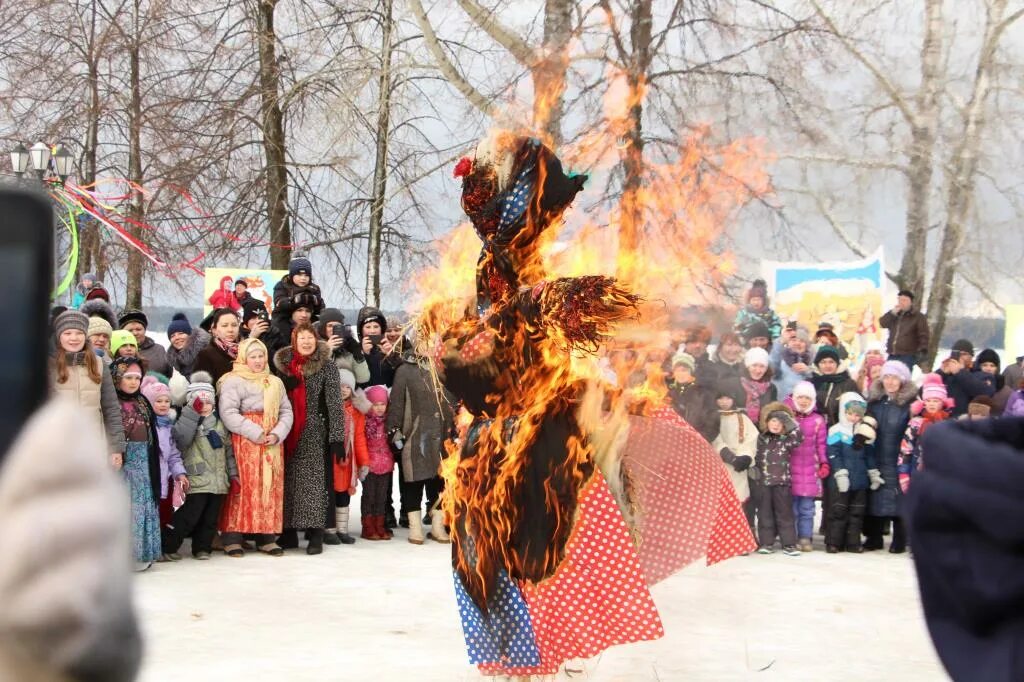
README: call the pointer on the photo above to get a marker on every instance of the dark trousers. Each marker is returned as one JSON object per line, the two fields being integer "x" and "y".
{"x": 909, "y": 360}
{"x": 375, "y": 494}
{"x": 412, "y": 493}
{"x": 261, "y": 539}
{"x": 341, "y": 500}
{"x": 874, "y": 527}
{"x": 845, "y": 517}
{"x": 389, "y": 509}
{"x": 198, "y": 518}
{"x": 750, "y": 506}
{"x": 775, "y": 516}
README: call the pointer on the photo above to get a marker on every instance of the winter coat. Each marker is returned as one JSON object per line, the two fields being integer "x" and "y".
{"x": 345, "y": 360}
{"x": 225, "y": 299}
{"x": 774, "y": 451}
{"x": 356, "y": 455}
{"x": 1014, "y": 373}
{"x": 184, "y": 360}
{"x": 171, "y": 465}
{"x": 423, "y": 416}
{"x": 908, "y": 333}
{"x": 810, "y": 454}
{"x": 284, "y": 299}
{"x": 963, "y": 387}
{"x": 829, "y": 387}
{"x": 1015, "y": 404}
{"x": 214, "y": 360}
{"x": 309, "y": 470}
{"x": 209, "y": 469}
{"x": 785, "y": 377}
{"x": 739, "y": 434}
{"x": 696, "y": 405}
{"x": 758, "y": 394}
{"x": 237, "y": 396}
{"x": 842, "y": 455}
{"x": 382, "y": 460}
{"x": 155, "y": 356}
{"x": 910, "y": 459}
{"x": 747, "y": 317}
{"x": 892, "y": 415}
{"x": 381, "y": 368}
{"x": 99, "y": 399}
{"x": 725, "y": 371}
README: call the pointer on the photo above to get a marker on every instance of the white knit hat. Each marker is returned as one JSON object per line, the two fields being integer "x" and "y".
{"x": 756, "y": 356}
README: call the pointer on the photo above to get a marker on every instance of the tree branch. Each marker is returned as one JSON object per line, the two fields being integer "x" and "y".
{"x": 502, "y": 35}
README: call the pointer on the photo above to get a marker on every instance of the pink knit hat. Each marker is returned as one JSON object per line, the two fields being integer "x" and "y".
{"x": 377, "y": 394}
{"x": 153, "y": 388}
{"x": 933, "y": 387}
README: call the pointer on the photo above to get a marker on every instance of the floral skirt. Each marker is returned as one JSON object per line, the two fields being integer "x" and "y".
{"x": 259, "y": 507}
{"x": 145, "y": 515}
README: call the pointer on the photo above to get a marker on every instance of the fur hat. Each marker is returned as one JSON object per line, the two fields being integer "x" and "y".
{"x": 153, "y": 388}
{"x": 179, "y": 325}
{"x": 377, "y": 394}
{"x": 806, "y": 389}
{"x": 298, "y": 265}
{"x": 685, "y": 359}
{"x": 70, "y": 319}
{"x": 200, "y": 383}
{"x": 100, "y": 308}
{"x": 895, "y": 368}
{"x": 97, "y": 325}
{"x": 988, "y": 355}
{"x": 777, "y": 410}
{"x": 347, "y": 378}
{"x": 133, "y": 316}
{"x": 981, "y": 406}
{"x": 757, "y": 356}
{"x": 119, "y": 338}
{"x": 825, "y": 352}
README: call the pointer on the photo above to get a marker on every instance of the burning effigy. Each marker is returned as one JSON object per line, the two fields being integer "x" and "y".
{"x": 571, "y": 488}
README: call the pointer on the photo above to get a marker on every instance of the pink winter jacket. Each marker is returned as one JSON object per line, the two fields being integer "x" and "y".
{"x": 810, "y": 454}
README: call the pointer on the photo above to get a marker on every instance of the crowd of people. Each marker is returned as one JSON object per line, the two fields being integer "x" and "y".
{"x": 253, "y": 426}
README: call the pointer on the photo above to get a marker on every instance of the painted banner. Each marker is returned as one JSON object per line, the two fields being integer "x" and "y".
{"x": 847, "y": 294}
{"x": 1014, "y": 343}
{"x": 219, "y": 286}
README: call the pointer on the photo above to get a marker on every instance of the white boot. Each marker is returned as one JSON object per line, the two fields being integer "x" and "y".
{"x": 437, "y": 531}
{"x": 415, "y": 528}
{"x": 341, "y": 521}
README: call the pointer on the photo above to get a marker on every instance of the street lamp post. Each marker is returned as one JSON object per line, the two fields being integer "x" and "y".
{"x": 19, "y": 160}
{"x": 40, "y": 152}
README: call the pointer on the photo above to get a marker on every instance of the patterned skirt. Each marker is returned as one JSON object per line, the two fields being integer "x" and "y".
{"x": 258, "y": 508}
{"x": 145, "y": 515}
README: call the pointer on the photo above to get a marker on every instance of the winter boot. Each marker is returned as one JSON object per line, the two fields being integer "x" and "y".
{"x": 369, "y": 528}
{"x": 805, "y": 545}
{"x": 437, "y": 529}
{"x": 331, "y": 536}
{"x": 383, "y": 533}
{"x": 415, "y": 528}
{"x": 316, "y": 541}
{"x": 289, "y": 539}
{"x": 341, "y": 520}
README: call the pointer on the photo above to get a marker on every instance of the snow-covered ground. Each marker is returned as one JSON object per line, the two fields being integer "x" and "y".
{"x": 386, "y": 611}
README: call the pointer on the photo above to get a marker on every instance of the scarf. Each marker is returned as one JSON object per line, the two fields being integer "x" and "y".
{"x": 164, "y": 420}
{"x": 231, "y": 348}
{"x": 273, "y": 389}
{"x": 297, "y": 396}
{"x": 791, "y": 357}
{"x": 754, "y": 391}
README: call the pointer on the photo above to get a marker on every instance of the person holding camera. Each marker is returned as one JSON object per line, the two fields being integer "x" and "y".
{"x": 376, "y": 348}
{"x": 346, "y": 352}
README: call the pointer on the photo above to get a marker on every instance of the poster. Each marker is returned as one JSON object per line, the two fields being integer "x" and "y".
{"x": 848, "y": 294}
{"x": 261, "y": 284}
{"x": 1014, "y": 342}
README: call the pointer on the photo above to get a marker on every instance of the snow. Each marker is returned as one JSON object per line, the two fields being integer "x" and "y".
{"x": 387, "y": 611}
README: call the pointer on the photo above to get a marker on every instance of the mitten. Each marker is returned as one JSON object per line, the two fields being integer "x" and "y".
{"x": 727, "y": 455}
{"x": 823, "y": 470}
{"x": 788, "y": 423}
{"x": 363, "y": 471}
{"x": 904, "y": 480}
{"x": 216, "y": 442}
{"x": 197, "y": 405}
{"x": 236, "y": 486}
{"x": 742, "y": 462}
{"x": 398, "y": 439}
{"x": 352, "y": 347}
{"x": 337, "y": 451}
{"x": 876, "y": 479}
{"x": 842, "y": 477}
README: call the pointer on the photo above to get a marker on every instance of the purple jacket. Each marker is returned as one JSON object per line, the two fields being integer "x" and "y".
{"x": 171, "y": 465}
{"x": 1015, "y": 405}
{"x": 810, "y": 454}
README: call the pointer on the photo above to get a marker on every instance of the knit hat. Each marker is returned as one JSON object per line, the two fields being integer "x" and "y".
{"x": 89, "y": 276}
{"x": 133, "y": 316}
{"x": 872, "y": 361}
{"x": 758, "y": 329}
{"x": 251, "y": 309}
{"x": 988, "y": 355}
{"x": 895, "y": 368}
{"x": 756, "y": 356}
{"x": 874, "y": 346}
{"x": 329, "y": 316}
{"x": 857, "y": 407}
{"x": 119, "y": 338}
{"x": 201, "y": 383}
{"x": 932, "y": 386}
{"x": 97, "y": 325}
{"x": 347, "y": 378}
{"x": 731, "y": 387}
{"x": 981, "y": 406}
{"x": 299, "y": 265}
{"x": 758, "y": 288}
{"x": 153, "y": 388}
{"x": 826, "y": 352}
{"x": 97, "y": 292}
{"x": 179, "y": 325}
{"x": 377, "y": 394}
{"x": 70, "y": 319}
{"x": 241, "y": 281}
{"x": 806, "y": 389}
{"x": 964, "y": 346}
{"x": 685, "y": 359}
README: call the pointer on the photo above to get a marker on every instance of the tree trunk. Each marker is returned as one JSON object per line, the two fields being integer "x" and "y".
{"x": 924, "y": 129}
{"x": 89, "y": 234}
{"x": 136, "y": 211}
{"x": 380, "y": 164}
{"x": 549, "y": 72}
{"x": 274, "y": 143}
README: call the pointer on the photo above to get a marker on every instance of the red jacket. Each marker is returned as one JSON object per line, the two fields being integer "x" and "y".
{"x": 356, "y": 455}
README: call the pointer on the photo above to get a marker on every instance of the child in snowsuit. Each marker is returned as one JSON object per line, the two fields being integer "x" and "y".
{"x": 809, "y": 463}
{"x": 382, "y": 463}
{"x": 757, "y": 311}
{"x": 934, "y": 407}
{"x": 736, "y": 443}
{"x": 780, "y": 435}
{"x": 173, "y": 481}
{"x": 211, "y": 467}
{"x": 296, "y": 290}
{"x": 851, "y": 454}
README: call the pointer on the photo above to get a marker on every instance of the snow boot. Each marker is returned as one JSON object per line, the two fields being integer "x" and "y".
{"x": 438, "y": 533}
{"x": 316, "y": 541}
{"x": 289, "y": 539}
{"x": 369, "y": 528}
{"x": 415, "y": 528}
{"x": 341, "y": 520}
{"x": 805, "y": 545}
{"x": 383, "y": 532}
{"x": 331, "y": 536}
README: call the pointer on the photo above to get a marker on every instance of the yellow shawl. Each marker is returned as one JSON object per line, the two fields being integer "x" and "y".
{"x": 273, "y": 388}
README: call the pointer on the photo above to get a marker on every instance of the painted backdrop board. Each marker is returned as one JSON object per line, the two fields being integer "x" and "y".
{"x": 261, "y": 283}
{"x": 849, "y": 294}
{"x": 1014, "y": 343}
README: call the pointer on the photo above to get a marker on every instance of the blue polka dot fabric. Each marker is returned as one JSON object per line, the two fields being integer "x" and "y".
{"x": 513, "y": 205}
{"x": 504, "y": 636}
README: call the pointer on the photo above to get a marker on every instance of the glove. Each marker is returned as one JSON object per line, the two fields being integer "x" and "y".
{"x": 859, "y": 441}
{"x": 727, "y": 455}
{"x": 363, "y": 471}
{"x": 843, "y": 480}
{"x": 236, "y": 486}
{"x": 904, "y": 480}
{"x": 302, "y": 299}
{"x": 742, "y": 462}
{"x": 398, "y": 439}
{"x": 337, "y": 451}
{"x": 823, "y": 470}
{"x": 214, "y": 439}
{"x": 876, "y": 479}
{"x": 197, "y": 405}
{"x": 788, "y": 423}
{"x": 352, "y": 347}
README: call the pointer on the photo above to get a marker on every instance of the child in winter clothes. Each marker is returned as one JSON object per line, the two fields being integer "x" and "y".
{"x": 851, "y": 454}
{"x": 736, "y": 443}
{"x": 171, "y": 466}
{"x": 780, "y": 434}
{"x": 296, "y": 290}
{"x": 355, "y": 465}
{"x": 933, "y": 407}
{"x": 757, "y": 311}
{"x": 210, "y": 464}
{"x": 382, "y": 463}
{"x": 84, "y": 286}
{"x": 809, "y": 463}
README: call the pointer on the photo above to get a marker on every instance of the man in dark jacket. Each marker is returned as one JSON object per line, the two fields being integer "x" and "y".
{"x": 908, "y": 331}
{"x": 691, "y": 400}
